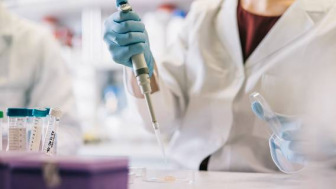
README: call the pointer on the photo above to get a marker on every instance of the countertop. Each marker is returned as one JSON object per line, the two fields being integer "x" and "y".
{"x": 225, "y": 180}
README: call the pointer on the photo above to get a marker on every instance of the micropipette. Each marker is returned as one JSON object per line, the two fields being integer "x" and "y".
{"x": 141, "y": 72}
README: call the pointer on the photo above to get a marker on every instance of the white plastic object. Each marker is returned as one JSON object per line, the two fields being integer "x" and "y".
{"x": 1, "y": 131}
{"x": 268, "y": 115}
{"x": 50, "y": 140}
{"x": 36, "y": 134}
{"x": 17, "y": 134}
{"x": 169, "y": 176}
{"x": 131, "y": 178}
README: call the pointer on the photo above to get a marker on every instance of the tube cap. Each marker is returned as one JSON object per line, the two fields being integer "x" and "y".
{"x": 55, "y": 112}
{"x": 1, "y": 114}
{"x": 30, "y": 112}
{"x": 17, "y": 112}
{"x": 40, "y": 112}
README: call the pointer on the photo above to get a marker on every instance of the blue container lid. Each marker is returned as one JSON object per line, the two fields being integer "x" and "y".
{"x": 40, "y": 112}
{"x": 30, "y": 112}
{"x": 17, "y": 112}
{"x": 179, "y": 13}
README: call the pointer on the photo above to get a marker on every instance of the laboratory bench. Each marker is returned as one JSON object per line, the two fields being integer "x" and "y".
{"x": 226, "y": 180}
{"x": 148, "y": 155}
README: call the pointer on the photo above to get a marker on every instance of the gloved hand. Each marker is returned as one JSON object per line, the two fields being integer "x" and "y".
{"x": 126, "y": 36}
{"x": 288, "y": 150}
{"x": 287, "y": 145}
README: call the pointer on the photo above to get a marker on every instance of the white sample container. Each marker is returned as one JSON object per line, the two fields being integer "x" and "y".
{"x": 17, "y": 131}
{"x": 50, "y": 140}
{"x": 36, "y": 130}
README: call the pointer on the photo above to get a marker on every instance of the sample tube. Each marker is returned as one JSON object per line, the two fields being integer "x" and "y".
{"x": 36, "y": 131}
{"x": 17, "y": 132}
{"x": 1, "y": 129}
{"x": 45, "y": 126}
{"x": 30, "y": 119}
{"x": 50, "y": 141}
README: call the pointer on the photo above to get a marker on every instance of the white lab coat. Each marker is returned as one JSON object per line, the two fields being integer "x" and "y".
{"x": 33, "y": 74}
{"x": 203, "y": 100}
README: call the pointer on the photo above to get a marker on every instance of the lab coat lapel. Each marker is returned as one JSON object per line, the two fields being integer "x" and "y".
{"x": 5, "y": 29}
{"x": 294, "y": 23}
{"x": 228, "y": 32}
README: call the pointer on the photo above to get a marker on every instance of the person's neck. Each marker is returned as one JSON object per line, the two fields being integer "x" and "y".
{"x": 266, "y": 7}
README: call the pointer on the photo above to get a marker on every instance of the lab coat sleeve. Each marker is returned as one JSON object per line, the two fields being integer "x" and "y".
{"x": 52, "y": 87}
{"x": 171, "y": 100}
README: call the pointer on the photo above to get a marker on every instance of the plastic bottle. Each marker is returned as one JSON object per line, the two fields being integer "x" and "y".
{"x": 17, "y": 131}
{"x": 50, "y": 141}
{"x": 36, "y": 132}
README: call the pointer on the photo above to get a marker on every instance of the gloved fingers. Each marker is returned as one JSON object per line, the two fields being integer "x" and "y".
{"x": 293, "y": 135}
{"x": 289, "y": 123}
{"x": 121, "y": 17}
{"x": 137, "y": 48}
{"x": 293, "y": 151}
{"x": 299, "y": 147}
{"x": 120, "y": 54}
{"x": 295, "y": 158}
{"x": 258, "y": 110}
{"x": 123, "y": 54}
{"x": 125, "y": 27}
{"x": 124, "y": 16}
{"x": 125, "y": 39}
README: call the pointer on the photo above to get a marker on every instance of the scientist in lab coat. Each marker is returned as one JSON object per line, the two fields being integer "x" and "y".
{"x": 33, "y": 74}
{"x": 227, "y": 50}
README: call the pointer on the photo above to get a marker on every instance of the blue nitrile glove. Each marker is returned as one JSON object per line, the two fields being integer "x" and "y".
{"x": 126, "y": 36}
{"x": 287, "y": 147}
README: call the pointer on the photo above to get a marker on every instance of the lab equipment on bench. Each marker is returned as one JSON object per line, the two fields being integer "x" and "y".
{"x": 36, "y": 130}
{"x": 169, "y": 176}
{"x": 69, "y": 172}
{"x": 141, "y": 72}
{"x": 17, "y": 131}
{"x": 37, "y": 171}
{"x": 5, "y": 159}
{"x": 50, "y": 140}
{"x": 1, "y": 128}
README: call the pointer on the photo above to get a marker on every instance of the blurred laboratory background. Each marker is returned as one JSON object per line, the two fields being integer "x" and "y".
{"x": 98, "y": 81}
